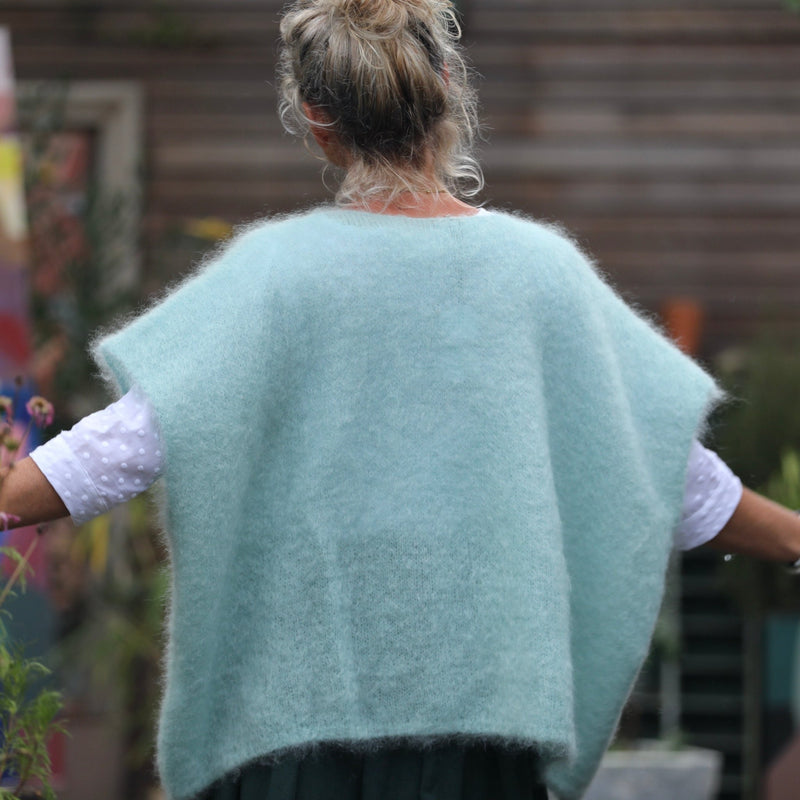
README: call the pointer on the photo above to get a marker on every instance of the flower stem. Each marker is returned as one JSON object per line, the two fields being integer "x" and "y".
{"x": 17, "y": 572}
{"x": 23, "y": 441}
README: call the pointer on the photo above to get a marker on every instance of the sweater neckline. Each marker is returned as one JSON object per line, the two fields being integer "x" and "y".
{"x": 371, "y": 219}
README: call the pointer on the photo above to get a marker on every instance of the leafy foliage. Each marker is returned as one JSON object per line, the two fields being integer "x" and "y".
{"x": 783, "y": 485}
{"x": 28, "y": 708}
{"x": 758, "y": 435}
{"x": 28, "y": 718}
{"x": 761, "y": 422}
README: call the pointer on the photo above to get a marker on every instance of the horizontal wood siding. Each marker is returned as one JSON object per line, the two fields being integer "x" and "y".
{"x": 662, "y": 133}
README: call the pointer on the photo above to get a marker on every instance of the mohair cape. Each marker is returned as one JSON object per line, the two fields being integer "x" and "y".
{"x": 421, "y": 482}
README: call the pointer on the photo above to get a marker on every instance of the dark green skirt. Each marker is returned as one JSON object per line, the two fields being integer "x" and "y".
{"x": 444, "y": 772}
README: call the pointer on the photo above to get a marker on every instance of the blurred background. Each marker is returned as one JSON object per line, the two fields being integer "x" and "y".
{"x": 664, "y": 135}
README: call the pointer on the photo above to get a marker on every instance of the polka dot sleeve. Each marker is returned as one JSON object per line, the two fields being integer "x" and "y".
{"x": 107, "y": 458}
{"x": 113, "y": 455}
{"x": 710, "y": 498}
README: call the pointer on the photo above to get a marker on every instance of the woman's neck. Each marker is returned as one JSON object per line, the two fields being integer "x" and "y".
{"x": 422, "y": 204}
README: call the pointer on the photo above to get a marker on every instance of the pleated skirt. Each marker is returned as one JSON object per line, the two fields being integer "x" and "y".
{"x": 443, "y": 772}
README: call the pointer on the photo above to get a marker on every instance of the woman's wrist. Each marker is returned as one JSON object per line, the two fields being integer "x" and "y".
{"x": 793, "y": 567}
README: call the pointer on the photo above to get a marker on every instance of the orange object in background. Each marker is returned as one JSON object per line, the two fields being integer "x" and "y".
{"x": 683, "y": 320}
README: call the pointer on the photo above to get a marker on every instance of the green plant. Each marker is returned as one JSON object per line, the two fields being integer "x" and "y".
{"x": 760, "y": 587}
{"x": 28, "y": 709}
{"x": 758, "y": 434}
{"x": 28, "y": 717}
{"x": 760, "y": 422}
{"x": 783, "y": 486}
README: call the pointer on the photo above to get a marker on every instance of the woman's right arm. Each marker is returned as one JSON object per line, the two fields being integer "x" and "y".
{"x": 762, "y": 529}
{"x": 719, "y": 512}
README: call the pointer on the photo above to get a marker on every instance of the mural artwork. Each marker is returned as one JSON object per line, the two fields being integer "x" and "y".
{"x": 14, "y": 333}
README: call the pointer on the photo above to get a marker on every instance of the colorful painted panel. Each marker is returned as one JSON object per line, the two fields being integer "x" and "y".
{"x": 14, "y": 332}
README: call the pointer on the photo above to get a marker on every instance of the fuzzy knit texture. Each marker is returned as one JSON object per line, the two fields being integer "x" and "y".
{"x": 421, "y": 481}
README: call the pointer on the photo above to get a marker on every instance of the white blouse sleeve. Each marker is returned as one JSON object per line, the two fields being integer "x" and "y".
{"x": 114, "y": 454}
{"x": 711, "y": 496}
{"x": 107, "y": 458}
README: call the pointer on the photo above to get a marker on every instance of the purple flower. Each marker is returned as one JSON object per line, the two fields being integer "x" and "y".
{"x": 7, "y": 520}
{"x": 40, "y": 410}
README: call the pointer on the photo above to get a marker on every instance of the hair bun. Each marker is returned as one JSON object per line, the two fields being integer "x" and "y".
{"x": 374, "y": 16}
{"x": 390, "y": 78}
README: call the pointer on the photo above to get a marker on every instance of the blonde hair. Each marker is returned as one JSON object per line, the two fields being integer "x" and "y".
{"x": 390, "y": 76}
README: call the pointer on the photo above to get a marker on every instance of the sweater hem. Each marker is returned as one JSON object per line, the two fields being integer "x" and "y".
{"x": 546, "y": 751}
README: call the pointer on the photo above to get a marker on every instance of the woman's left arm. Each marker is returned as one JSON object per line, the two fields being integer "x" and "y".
{"x": 107, "y": 458}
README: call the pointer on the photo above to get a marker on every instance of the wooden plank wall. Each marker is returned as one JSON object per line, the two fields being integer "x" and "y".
{"x": 664, "y": 133}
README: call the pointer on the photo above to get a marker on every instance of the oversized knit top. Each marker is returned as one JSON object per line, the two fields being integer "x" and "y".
{"x": 113, "y": 455}
{"x": 421, "y": 478}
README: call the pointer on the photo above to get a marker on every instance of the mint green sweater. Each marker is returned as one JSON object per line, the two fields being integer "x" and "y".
{"x": 421, "y": 481}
